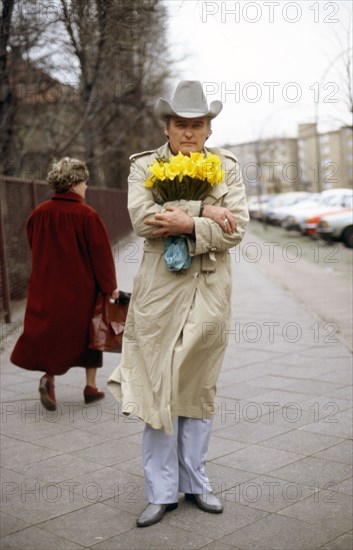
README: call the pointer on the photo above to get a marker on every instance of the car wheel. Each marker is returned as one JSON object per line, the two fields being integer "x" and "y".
{"x": 347, "y": 237}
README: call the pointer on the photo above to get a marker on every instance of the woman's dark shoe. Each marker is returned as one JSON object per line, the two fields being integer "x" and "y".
{"x": 154, "y": 513}
{"x": 92, "y": 394}
{"x": 47, "y": 393}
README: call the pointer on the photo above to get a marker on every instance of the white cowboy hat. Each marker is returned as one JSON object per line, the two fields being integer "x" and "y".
{"x": 188, "y": 102}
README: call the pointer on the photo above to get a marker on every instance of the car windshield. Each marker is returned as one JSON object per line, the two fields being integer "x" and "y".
{"x": 308, "y": 201}
{"x": 333, "y": 200}
{"x": 285, "y": 200}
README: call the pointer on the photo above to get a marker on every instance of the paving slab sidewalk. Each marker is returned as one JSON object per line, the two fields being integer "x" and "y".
{"x": 280, "y": 456}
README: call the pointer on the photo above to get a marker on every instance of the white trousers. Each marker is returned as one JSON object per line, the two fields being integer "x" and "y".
{"x": 175, "y": 463}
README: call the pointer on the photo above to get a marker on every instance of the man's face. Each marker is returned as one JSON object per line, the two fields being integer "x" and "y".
{"x": 187, "y": 134}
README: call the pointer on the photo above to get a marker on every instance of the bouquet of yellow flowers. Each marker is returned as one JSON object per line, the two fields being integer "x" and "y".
{"x": 182, "y": 177}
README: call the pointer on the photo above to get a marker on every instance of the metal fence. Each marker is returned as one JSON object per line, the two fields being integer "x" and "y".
{"x": 17, "y": 199}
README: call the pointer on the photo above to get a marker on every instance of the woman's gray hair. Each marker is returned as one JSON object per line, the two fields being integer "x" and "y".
{"x": 66, "y": 172}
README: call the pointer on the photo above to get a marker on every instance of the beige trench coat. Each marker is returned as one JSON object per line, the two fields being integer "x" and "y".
{"x": 175, "y": 336}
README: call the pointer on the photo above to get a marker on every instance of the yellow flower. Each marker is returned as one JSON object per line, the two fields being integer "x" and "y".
{"x": 194, "y": 169}
{"x": 212, "y": 169}
{"x": 197, "y": 157}
{"x": 216, "y": 177}
{"x": 150, "y": 182}
{"x": 214, "y": 159}
{"x": 189, "y": 168}
{"x": 171, "y": 170}
{"x": 176, "y": 166}
{"x": 157, "y": 170}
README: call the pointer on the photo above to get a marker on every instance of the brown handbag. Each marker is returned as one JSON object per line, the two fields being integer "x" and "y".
{"x": 108, "y": 322}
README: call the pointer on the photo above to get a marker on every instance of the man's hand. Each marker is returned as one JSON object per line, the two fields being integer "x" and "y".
{"x": 220, "y": 215}
{"x": 173, "y": 221}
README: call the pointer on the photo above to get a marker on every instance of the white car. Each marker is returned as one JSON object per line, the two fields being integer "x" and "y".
{"x": 277, "y": 214}
{"x": 254, "y": 204}
{"x": 338, "y": 226}
{"x": 288, "y": 213}
{"x": 312, "y": 219}
{"x": 282, "y": 199}
{"x": 329, "y": 199}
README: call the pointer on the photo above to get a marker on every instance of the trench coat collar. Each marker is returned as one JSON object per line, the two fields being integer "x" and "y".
{"x": 68, "y": 196}
{"x": 217, "y": 191}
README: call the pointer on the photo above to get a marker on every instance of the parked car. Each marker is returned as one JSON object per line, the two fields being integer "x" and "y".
{"x": 288, "y": 213}
{"x": 329, "y": 200}
{"x": 338, "y": 226}
{"x": 254, "y": 204}
{"x": 276, "y": 214}
{"x": 283, "y": 199}
{"x": 310, "y": 223}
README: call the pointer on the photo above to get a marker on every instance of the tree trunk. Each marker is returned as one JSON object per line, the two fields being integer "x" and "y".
{"x": 7, "y": 99}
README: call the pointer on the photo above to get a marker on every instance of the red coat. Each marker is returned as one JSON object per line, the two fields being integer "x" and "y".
{"x": 71, "y": 261}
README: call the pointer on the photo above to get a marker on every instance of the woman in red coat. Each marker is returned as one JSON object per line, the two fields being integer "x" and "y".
{"x": 71, "y": 262}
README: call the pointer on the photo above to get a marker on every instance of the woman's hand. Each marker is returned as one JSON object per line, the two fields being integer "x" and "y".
{"x": 220, "y": 215}
{"x": 115, "y": 294}
{"x": 173, "y": 221}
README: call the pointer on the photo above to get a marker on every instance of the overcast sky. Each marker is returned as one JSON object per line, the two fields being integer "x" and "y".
{"x": 274, "y": 56}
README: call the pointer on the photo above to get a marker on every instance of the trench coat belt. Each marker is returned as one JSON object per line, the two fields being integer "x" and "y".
{"x": 208, "y": 259}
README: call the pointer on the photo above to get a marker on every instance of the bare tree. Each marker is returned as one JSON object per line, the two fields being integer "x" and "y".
{"x": 25, "y": 80}
{"x": 7, "y": 105}
{"x": 91, "y": 72}
{"x": 116, "y": 45}
{"x": 339, "y": 65}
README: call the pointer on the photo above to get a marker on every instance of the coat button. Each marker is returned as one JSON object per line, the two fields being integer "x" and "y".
{"x": 196, "y": 275}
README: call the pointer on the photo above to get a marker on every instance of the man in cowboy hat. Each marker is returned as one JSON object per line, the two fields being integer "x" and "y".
{"x": 172, "y": 356}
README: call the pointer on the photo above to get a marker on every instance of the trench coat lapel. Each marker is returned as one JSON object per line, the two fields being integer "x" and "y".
{"x": 216, "y": 193}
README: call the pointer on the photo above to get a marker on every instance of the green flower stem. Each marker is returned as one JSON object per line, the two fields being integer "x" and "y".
{"x": 186, "y": 189}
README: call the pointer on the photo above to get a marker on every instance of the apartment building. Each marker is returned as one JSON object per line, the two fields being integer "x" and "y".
{"x": 269, "y": 165}
{"x": 326, "y": 159}
{"x": 311, "y": 162}
{"x": 337, "y": 158}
